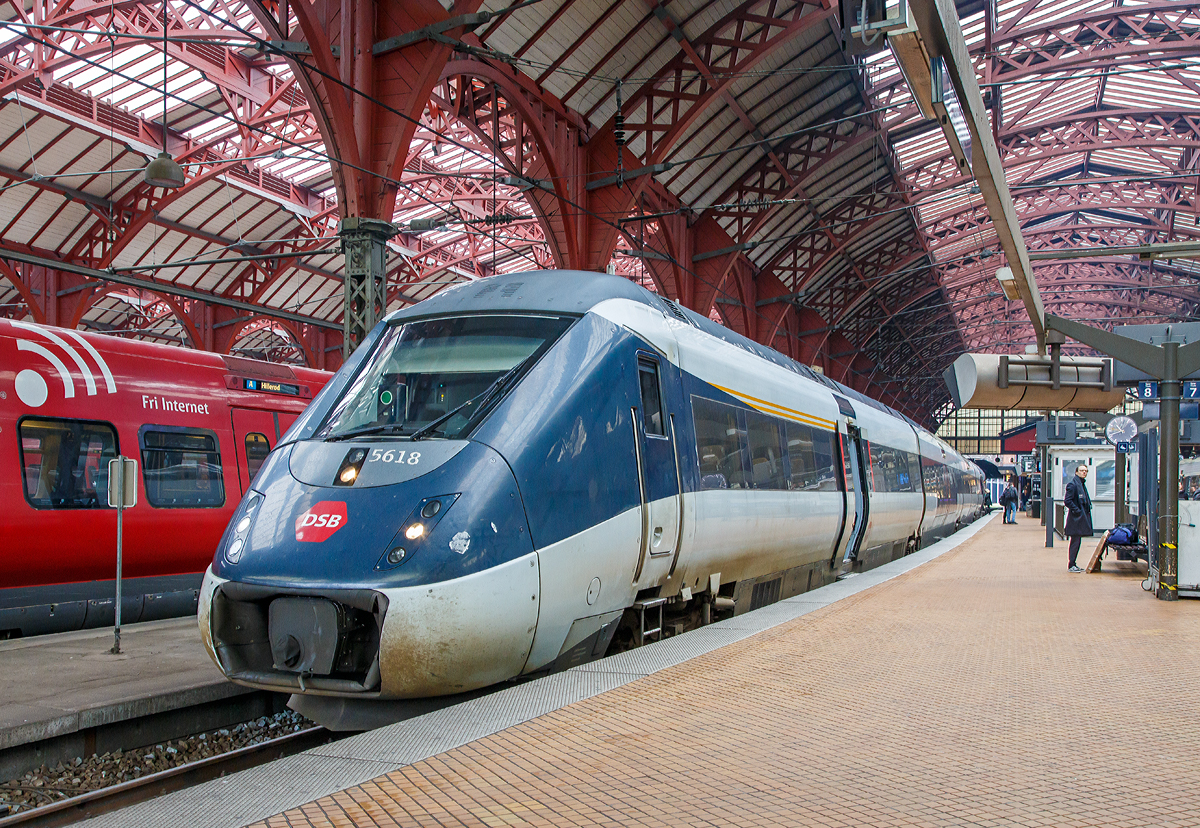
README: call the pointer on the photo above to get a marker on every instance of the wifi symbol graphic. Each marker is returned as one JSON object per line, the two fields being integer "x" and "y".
{"x": 31, "y": 386}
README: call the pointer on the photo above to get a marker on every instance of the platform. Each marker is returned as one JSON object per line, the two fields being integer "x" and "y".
{"x": 973, "y": 683}
{"x": 69, "y": 689}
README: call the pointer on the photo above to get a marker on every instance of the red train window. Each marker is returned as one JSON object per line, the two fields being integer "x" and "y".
{"x": 65, "y": 462}
{"x": 257, "y": 449}
{"x": 181, "y": 467}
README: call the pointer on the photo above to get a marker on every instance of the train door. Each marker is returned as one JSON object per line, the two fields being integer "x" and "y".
{"x": 255, "y": 433}
{"x": 658, "y": 471}
{"x": 857, "y": 503}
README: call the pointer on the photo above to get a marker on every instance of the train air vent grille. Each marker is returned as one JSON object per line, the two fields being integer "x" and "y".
{"x": 765, "y": 592}
{"x": 511, "y": 289}
{"x": 486, "y": 289}
{"x": 674, "y": 310}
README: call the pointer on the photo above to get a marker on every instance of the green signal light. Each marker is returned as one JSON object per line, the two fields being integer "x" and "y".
{"x": 386, "y": 398}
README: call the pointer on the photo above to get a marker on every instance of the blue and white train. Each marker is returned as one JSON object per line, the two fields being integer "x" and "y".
{"x": 520, "y": 474}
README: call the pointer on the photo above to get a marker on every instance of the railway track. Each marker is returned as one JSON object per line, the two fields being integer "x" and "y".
{"x": 124, "y": 794}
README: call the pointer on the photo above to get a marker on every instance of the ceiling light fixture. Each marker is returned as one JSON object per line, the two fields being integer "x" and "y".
{"x": 1009, "y": 283}
{"x": 163, "y": 171}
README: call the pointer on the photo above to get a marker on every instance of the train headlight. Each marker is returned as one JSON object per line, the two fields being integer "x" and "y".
{"x": 351, "y": 467}
{"x": 414, "y": 531}
{"x": 234, "y": 553}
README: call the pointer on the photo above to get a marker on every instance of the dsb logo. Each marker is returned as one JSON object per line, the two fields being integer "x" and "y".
{"x": 321, "y": 521}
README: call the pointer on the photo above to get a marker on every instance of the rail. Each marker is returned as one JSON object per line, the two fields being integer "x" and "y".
{"x": 124, "y": 794}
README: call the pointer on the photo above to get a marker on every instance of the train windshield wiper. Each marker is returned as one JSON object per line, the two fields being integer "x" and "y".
{"x": 483, "y": 398}
{"x": 359, "y": 432}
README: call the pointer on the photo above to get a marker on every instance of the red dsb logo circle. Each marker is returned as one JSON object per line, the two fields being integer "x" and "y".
{"x": 321, "y": 521}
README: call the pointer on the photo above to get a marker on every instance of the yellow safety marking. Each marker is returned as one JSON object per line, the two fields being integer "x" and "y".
{"x": 1166, "y": 586}
{"x": 1169, "y": 545}
{"x": 784, "y": 411}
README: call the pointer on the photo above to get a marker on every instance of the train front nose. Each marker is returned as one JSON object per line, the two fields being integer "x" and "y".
{"x": 407, "y": 580}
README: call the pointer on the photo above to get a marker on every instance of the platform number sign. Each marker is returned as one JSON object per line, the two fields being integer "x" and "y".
{"x": 1148, "y": 390}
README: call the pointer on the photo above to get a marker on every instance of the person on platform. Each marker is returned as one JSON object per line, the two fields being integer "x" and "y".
{"x": 1079, "y": 515}
{"x": 1008, "y": 499}
{"x": 1026, "y": 491}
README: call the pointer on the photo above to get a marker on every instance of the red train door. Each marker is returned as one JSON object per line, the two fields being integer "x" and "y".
{"x": 255, "y": 433}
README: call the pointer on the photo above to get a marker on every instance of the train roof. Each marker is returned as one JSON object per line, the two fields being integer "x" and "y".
{"x": 141, "y": 349}
{"x": 578, "y": 291}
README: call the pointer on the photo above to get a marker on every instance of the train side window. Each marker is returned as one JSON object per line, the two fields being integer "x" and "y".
{"x": 652, "y": 413}
{"x": 915, "y": 470}
{"x": 766, "y": 456}
{"x": 824, "y": 452}
{"x": 889, "y": 469}
{"x": 810, "y": 455}
{"x": 719, "y": 445}
{"x": 181, "y": 467}
{"x": 257, "y": 449}
{"x": 64, "y": 463}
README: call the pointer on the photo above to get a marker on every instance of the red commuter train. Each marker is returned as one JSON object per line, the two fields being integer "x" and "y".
{"x": 199, "y": 424}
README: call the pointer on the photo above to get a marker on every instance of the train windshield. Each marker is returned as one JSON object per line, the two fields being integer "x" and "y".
{"x": 437, "y": 377}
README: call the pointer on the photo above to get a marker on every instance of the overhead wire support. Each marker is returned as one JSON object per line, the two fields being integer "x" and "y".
{"x": 267, "y": 46}
{"x": 619, "y": 137}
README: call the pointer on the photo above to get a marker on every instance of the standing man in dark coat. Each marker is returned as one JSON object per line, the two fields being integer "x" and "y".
{"x": 1008, "y": 499}
{"x": 1079, "y": 514}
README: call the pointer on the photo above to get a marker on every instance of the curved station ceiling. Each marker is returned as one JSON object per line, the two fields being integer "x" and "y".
{"x": 752, "y": 170}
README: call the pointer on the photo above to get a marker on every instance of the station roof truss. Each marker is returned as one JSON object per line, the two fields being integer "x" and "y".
{"x": 753, "y": 171}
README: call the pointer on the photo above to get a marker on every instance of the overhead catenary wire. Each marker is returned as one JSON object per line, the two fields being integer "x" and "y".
{"x": 493, "y": 161}
{"x": 283, "y": 139}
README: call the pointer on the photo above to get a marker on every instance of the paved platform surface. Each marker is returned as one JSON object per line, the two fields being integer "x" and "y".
{"x": 974, "y": 683}
{"x": 52, "y": 685}
{"x": 988, "y": 687}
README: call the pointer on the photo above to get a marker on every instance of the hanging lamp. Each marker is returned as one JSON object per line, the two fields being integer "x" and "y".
{"x": 163, "y": 171}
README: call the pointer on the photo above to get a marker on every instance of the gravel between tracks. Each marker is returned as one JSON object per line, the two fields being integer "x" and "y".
{"x": 53, "y": 784}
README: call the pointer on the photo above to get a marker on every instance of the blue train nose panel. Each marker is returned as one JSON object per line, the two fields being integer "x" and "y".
{"x": 306, "y": 535}
{"x": 317, "y": 463}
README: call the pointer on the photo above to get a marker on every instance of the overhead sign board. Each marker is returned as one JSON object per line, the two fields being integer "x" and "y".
{"x": 1187, "y": 411}
{"x": 1181, "y": 332}
{"x": 1188, "y": 390}
{"x": 122, "y": 483}
{"x": 1052, "y": 433}
{"x": 270, "y": 386}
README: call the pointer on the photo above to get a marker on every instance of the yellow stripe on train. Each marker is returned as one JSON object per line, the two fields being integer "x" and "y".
{"x": 774, "y": 408}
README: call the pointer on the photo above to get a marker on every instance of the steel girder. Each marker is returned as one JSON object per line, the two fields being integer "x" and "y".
{"x": 1026, "y": 150}
{"x": 533, "y": 136}
{"x": 1029, "y": 149}
{"x": 1096, "y": 40}
{"x": 367, "y": 107}
{"x": 533, "y": 151}
{"x": 672, "y": 246}
{"x": 659, "y": 112}
{"x": 1055, "y": 209}
{"x": 38, "y": 68}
